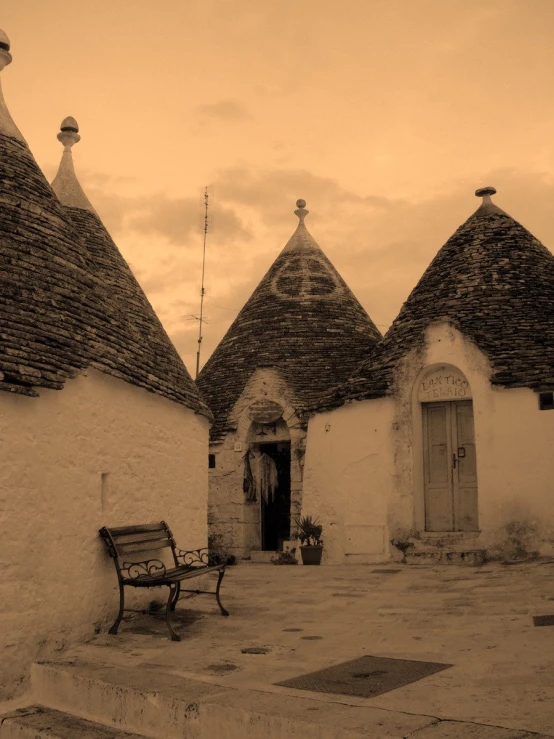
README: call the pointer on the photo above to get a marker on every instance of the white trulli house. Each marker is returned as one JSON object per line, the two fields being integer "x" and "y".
{"x": 300, "y": 333}
{"x": 100, "y": 422}
{"x": 442, "y": 440}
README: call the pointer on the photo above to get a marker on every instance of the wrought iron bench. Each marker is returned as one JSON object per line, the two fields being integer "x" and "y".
{"x": 126, "y": 541}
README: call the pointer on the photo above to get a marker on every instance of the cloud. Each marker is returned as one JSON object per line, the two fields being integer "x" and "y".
{"x": 224, "y": 110}
{"x": 181, "y": 218}
{"x": 274, "y": 192}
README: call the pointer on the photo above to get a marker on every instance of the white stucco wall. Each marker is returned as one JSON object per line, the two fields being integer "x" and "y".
{"x": 364, "y": 461}
{"x": 234, "y": 525}
{"x": 349, "y": 478}
{"x": 515, "y": 466}
{"x": 56, "y": 582}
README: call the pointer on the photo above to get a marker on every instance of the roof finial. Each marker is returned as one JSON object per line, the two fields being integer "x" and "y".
{"x": 485, "y": 193}
{"x": 301, "y": 212}
{"x": 65, "y": 184}
{"x": 5, "y": 56}
{"x": 69, "y": 132}
{"x": 7, "y": 126}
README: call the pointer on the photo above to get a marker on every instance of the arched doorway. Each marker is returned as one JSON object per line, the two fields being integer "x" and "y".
{"x": 269, "y": 464}
{"x": 275, "y": 507}
{"x": 449, "y": 454}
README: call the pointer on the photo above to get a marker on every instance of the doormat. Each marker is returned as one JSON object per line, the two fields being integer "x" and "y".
{"x": 543, "y": 620}
{"x": 384, "y": 572}
{"x": 365, "y": 677}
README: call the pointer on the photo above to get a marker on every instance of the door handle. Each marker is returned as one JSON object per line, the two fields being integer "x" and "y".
{"x": 454, "y": 460}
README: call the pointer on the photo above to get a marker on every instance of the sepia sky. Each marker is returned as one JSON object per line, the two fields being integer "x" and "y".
{"x": 384, "y": 115}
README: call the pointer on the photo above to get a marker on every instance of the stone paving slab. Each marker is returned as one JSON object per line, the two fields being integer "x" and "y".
{"x": 303, "y": 619}
{"x": 463, "y": 730}
{"x": 37, "y": 722}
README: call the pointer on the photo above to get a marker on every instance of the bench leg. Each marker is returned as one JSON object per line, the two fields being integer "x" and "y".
{"x": 176, "y": 596}
{"x": 173, "y": 594}
{"x": 224, "y": 611}
{"x": 115, "y": 627}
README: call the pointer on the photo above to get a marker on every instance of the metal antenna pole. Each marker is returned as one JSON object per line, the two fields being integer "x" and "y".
{"x": 202, "y": 291}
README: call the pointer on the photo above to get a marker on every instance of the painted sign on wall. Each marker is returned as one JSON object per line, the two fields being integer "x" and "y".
{"x": 444, "y": 383}
{"x": 265, "y": 411}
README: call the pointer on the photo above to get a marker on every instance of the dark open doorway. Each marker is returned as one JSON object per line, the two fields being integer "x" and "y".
{"x": 275, "y": 513}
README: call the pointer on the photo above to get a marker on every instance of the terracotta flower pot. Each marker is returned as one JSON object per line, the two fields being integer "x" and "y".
{"x": 311, "y": 555}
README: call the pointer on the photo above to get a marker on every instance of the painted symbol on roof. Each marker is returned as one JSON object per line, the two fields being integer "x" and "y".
{"x": 305, "y": 278}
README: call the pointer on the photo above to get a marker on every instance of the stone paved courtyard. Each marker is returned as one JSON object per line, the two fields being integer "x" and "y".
{"x": 293, "y": 620}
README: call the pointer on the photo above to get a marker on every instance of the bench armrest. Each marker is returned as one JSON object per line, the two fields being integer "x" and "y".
{"x": 195, "y": 557}
{"x": 143, "y": 570}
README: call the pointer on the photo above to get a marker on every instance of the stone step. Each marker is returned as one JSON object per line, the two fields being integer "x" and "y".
{"x": 261, "y": 556}
{"x": 169, "y": 705}
{"x": 471, "y": 542}
{"x": 39, "y": 722}
{"x": 450, "y": 540}
{"x": 149, "y": 702}
{"x": 446, "y": 556}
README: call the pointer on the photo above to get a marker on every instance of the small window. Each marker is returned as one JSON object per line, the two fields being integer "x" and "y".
{"x": 211, "y": 461}
{"x": 546, "y": 401}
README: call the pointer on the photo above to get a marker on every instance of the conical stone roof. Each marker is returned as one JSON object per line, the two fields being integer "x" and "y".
{"x": 494, "y": 282}
{"x": 58, "y": 314}
{"x": 146, "y": 357}
{"x": 302, "y": 320}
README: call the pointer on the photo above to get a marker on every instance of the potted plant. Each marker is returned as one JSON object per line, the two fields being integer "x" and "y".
{"x": 309, "y": 533}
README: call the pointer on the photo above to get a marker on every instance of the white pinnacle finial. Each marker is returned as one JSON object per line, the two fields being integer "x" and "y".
{"x": 5, "y": 56}
{"x": 301, "y": 212}
{"x": 7, "y": 126}
{"x": 487, "y": 207}
{"x": 69, "y": 132}
{"x": 65, "y": 184}
{"x": 485, "y": 193}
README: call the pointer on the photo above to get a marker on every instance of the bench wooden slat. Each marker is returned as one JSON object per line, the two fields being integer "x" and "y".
{"x": 145, "y": 546}
{"x": 137, "y": 529}
{"x": 137, "y": 538}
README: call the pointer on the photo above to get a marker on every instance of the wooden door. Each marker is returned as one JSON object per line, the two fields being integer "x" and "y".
{"x": 450, "y": 466}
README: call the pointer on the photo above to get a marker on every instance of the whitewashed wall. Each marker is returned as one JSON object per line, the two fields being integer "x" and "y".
{"x": 56, "y": 583}
{"x": 349, "y": 479}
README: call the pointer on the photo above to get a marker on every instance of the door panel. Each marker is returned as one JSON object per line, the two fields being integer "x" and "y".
{"x": 438, "y": 504}
{"x": 450, "y": 466}
{"x": 465, "y": 498}
{"x": 438, "y": 456}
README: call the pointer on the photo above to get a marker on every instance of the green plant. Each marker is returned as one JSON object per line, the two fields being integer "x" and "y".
{"x": 286, "y": 557}
{"x": 402, "y": 540}
{"x": 218, "y": 551}
{"x": 309, "y": 532}
{"x": 519, "y": 540}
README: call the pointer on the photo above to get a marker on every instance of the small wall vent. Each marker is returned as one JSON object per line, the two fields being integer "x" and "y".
{"x": 546, "y": 401}
{"x": 211, "y": 461}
